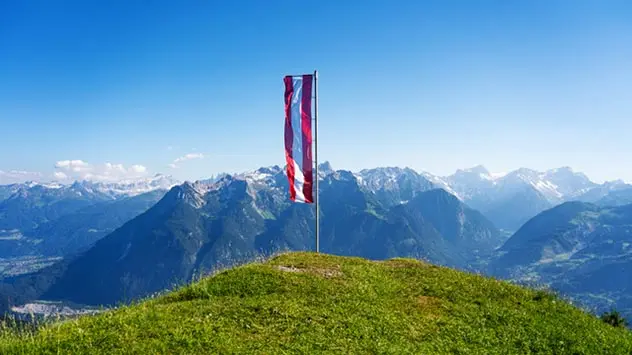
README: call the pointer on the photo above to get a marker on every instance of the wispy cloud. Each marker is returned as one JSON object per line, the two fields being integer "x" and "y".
{"x": 58, "y": 175}
{"x": 185, "y": 157}
{"x": 139, "y": 169}
{"x": 189, "y": 157}
{"x": 15, "y": 176}
{"x": 81, "y": 170}
{"x": 72, "y": 165}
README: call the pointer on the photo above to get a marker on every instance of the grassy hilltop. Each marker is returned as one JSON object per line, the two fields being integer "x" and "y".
{"x": 316, "y": 303}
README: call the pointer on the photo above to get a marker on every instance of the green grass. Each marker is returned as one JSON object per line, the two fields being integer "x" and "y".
{"x": 309, "y": 303}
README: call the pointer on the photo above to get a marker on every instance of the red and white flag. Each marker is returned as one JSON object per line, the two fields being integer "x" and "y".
{"x": 298, "y": 137}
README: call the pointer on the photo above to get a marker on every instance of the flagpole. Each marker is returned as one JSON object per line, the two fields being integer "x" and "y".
{"x": 317, "y": 199}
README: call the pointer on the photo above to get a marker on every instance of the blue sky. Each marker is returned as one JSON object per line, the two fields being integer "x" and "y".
{"x": 433, "y": 85}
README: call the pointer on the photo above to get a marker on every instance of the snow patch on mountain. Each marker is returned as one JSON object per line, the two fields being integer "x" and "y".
{"x": 99, "y": 190}
{"x": 441, "y": 183}
{"x": 261, "y": 175}
{"x": 547, "y": 188}
{"x": 193, "y": 193}
{"x": 556, "y": 185}
{"x": 52, "y": 185}
{"x": 134, "y": 187}
{"x": 378, "y": 178}
{"x": 496, "y": 176}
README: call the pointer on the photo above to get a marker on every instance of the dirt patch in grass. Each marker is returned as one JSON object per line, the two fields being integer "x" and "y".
{"x": 427, "y": 301}
{"x": 404, "y": 263}
{"x": 328, "y": 272}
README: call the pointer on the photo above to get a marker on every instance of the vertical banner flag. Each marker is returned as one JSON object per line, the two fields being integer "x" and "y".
{"x": 298, "y": 137}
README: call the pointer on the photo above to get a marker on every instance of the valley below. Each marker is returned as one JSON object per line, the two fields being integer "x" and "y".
{"x": 10, "y": 267}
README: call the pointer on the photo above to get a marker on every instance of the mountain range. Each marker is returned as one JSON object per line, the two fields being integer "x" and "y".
{"x": 508, "y": 200}
{"x": 580, "y": 249}
{"x": 199, "y": 227}
{"x": 55, "y": 219}
{"x": 125, "y": 241}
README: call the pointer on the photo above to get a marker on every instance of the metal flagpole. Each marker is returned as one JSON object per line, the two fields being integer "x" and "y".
{"x": 317, "y": 199}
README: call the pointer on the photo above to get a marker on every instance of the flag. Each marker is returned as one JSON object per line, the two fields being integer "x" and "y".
{"x": 298, "y": 137}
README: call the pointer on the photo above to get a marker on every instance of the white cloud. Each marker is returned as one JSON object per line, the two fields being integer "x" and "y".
{"x": 69, "y": 170}
{"x": 189, "y": 157}
{"x": 15, "y": 176}
{"x": 74, "y": 165}
{"x": 60, "y": 176}
{"x": 80, "y": 170}
{"x": 24, "y": 173}
{"x": 114, "y": 167}
{"x": 185, "y": 157}
{"x": 138, "y": 169}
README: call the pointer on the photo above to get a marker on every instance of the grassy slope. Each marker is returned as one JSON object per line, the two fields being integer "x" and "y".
{"x": 308, "y": 303}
